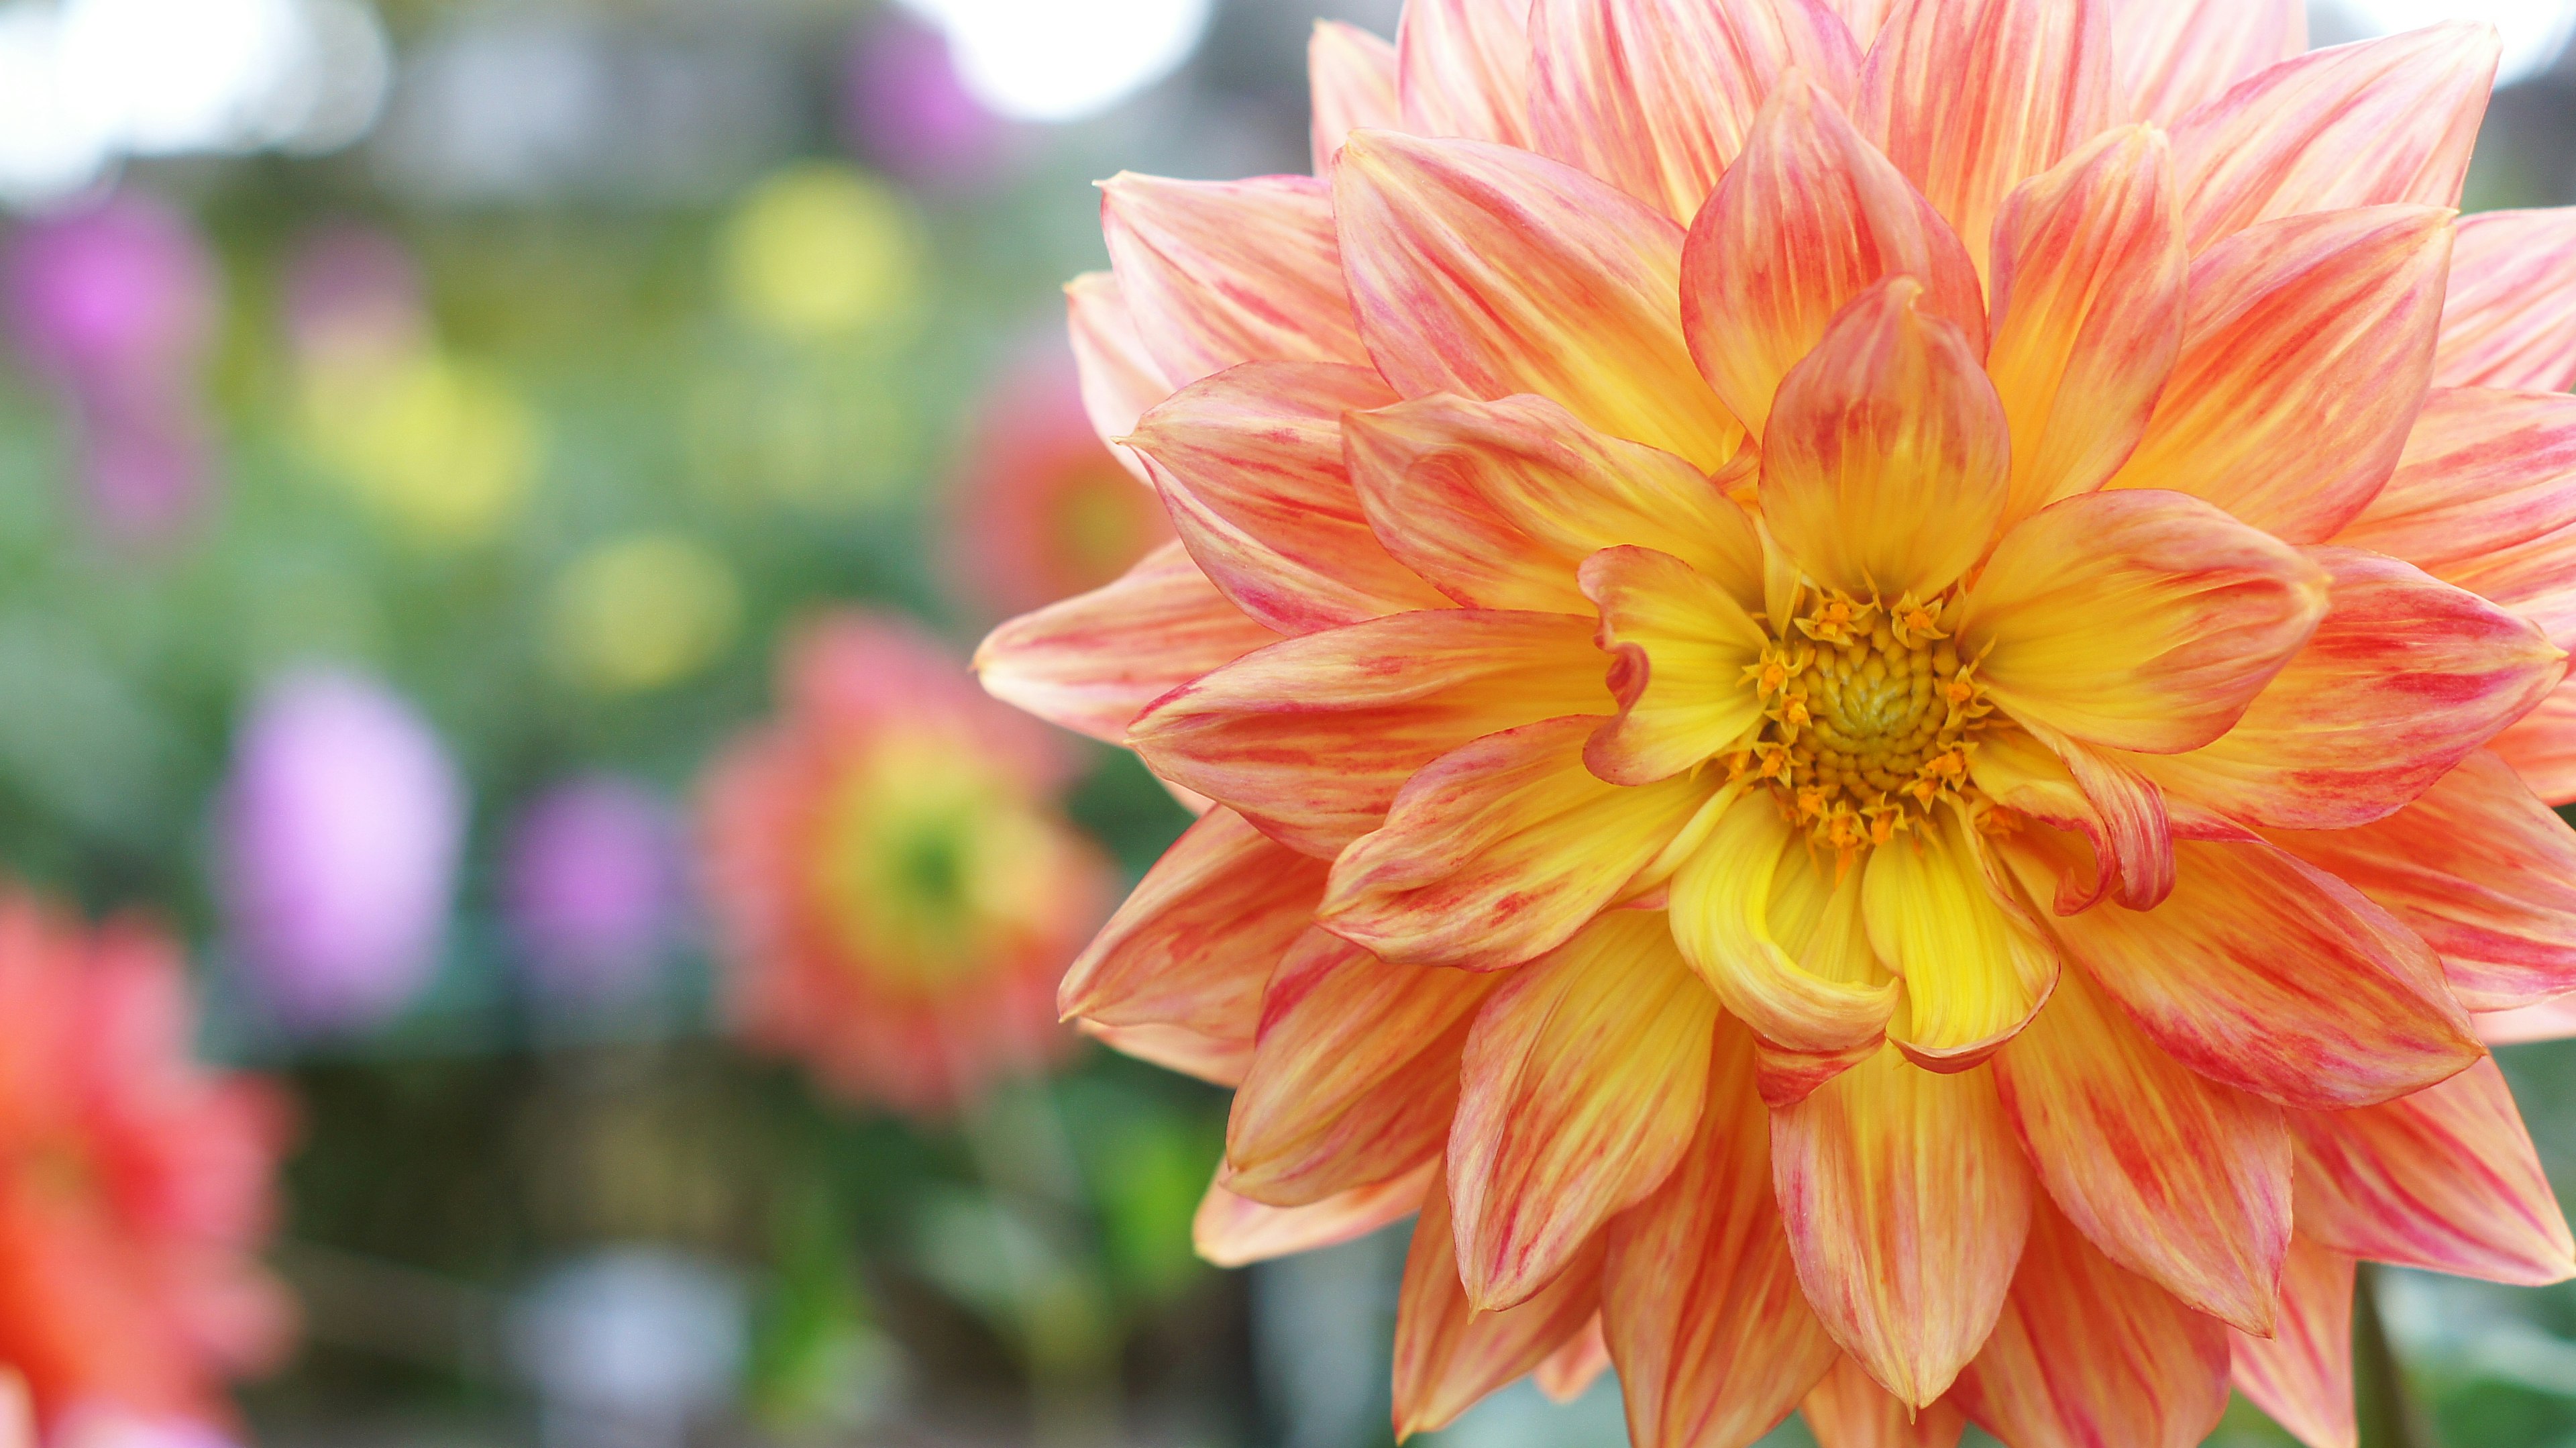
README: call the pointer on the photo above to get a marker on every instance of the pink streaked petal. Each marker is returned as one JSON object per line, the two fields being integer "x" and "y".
{"x": 2129, "y": 821}
{"x": 1233, "y": 1231}
{"x": 2541, "y": 746}
{"x": 2445, "y": 1179}
{"x": 2302, "y": 1374}
{"x": 2509, "y": 318}
{"x": 1120, "y": 380}
{"x": 2550, "y": 1020}
{"x": 2174, "y": 55}
{"x": 1447, "y": 1354}
{"x": 1216, "y": 1059}
{"x": 1351, "y": 75}
{"x": 1249, "y": 463}
{"x": 1463, "y": 69}
{"x": 1808, "y": 217}
{"x": 2482, "y": 471}
{"x": 1847, "y": 1410}
{"x": 2535, "y": 578}
{"x": 2305, "y": 358}
{"x": 1093, "y": 662}
{"x": 1486, "y": 271}
{"x": 1221, "y": 272}
{"x": 1655, "y": 96}
{"x": 2367, "y": 124}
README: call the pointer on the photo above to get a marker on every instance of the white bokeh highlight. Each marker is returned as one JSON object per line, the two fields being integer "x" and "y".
{"x": 1062, "y": 60}
{"x": 2534, "y": 31}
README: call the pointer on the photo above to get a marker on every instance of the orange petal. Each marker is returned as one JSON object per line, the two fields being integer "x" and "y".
{"x": 2445, "y": 1179}
{"x": 2271, "y": 976}
{"x": 2482, "y": 471}
{"x": 1249, "y": 463}
{"x": 1462, "y": 69}
{"x": 1808, "y": 217}
{"x": 2305, "y": 358}
{"x": 1501, "y": 850}
{"x": 1447, "y": 1354}
{"x": 1216, "y": 1059}
{"x": 1197, "y": 939}
{"x": 1780, "y": 935}
{"x": 2088, "y": 1352}
{"x": 1311, "y": 738}
{"x": 1847, "y": 1410}
{"x": 1907, "y": 1200}
{"x": 1093, "y": 662}
{"x": 2088, "y": 282}
{"x": 1581, "y": 1088}
{"x": 2130, "y": 824}
{"x": 2358, "y": 125}
{"x": 1714, "y": 1340}
{"x": 2179, "y": 1179}
{"x": 2405, "y": 678}
{"x": 2174, "y": 55}
{"x": 1655, "y": 96}
{"x": 2302, "y": 1374}
{"x": 2509, "y": 317}
{"x": 1498, "y": 503}
{"x": 1486, "y": 272}
{"x": 1351, "y": 75}
{"x": 1952, "y": 925}
{"x": 1680, "y": 647}
{"x": 1119, "y": 379}
{"x": 2137, "y": 620}
{"x": 1575, "y": 1366}
{"x": 1233, "y": 1231}
{"x": 1356, "y": 1074}
{"x": 2541, "y": 746}
{"x": 1221, "y": 272}
{"x": 1970, "y": 97}
{"x": 1888, "y": 458}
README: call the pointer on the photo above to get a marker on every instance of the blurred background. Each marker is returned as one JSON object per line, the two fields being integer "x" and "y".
{"x": 475, "y": 475}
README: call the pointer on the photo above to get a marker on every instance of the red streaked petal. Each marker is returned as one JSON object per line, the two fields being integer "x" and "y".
{"x": 2305, "y": 358}
{"x": 1462, "y": 69}
{"x": 1580, "y": 1090}
{"x": 2445, "y": 1179}
{"x": 2088, "y": 1352}
{"x": 1714, "y": 1341}
{"x": 1233, "y": 1231}
{"x": 1351, "y": 75}
{"x": 1119, "y": 378}
{"x": 1906, "y": 1199}
{"x": 1501, "y": 850}
{"x": 1970, "y": 97}
{"x": 1447, "y": 1354}
{"x": 1975, "y": 964}
{"x": 2302, "y": 1374}
{"x": 1249, "y": 463}
{"x": 1655, "y": 96}
{"x": 2541, "y": 746}
{"x": 2366, "y": 124}
{"x": 2179, "y": 1179}
{"x": 1680, "y": 647}
{"x": 2265, "y": 973}
{"x": 1808, "y": 217}
{"x": 1311, "y": 738}
{"x": 2088, "y": 284}
{"x": 1221, "y": 272}
{"x": 2137, "y": 620}
{"x": 2129, "y": 821}
{"x": 1093, "y": 662}
{"x": 2174, "y": 55}
{"x": 1355, "y": 1076}
{"x": 1486, "y": 271}
{"x": 2482, "y": 471}
{"x": 1847, "y": 1410}
{"x": 2509, "y": 317}
{"x": 1216, "y": 1059}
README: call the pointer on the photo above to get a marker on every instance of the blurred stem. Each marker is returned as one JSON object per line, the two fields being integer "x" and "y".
{"x": 1026, "y": 1161}
{"x": 2390, "y": 1416}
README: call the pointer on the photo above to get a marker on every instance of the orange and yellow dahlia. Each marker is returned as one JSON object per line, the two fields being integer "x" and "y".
{"x": 895, "y": 888}
{"x": 1879, "y": 681}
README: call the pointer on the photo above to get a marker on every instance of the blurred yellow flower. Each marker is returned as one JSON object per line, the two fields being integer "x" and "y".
{"x": 642, "y": 611}
{"x": 820, "y": 251}
{"x": 446, "y": 448}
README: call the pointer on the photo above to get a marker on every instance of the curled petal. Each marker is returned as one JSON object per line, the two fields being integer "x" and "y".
{"x": 2445, "y": 1179}
{"x": 1487, "y": 272}
{"x": 2483, "y": 471}
{"x": 1221, "y": 272}
{"x": 2302, "y": 1373}
{"x": 1093, "y": 662}
{"x": 1580, "y": 1091}
{"x": 1233, "y": 1231}
{"x": 1680, "y": 648}
{"x": 1808, "y": 217}
{"x": 1888, "y": 458}
{"x": 2305, "y": 358}
{"x": 2367, "y": 124}
{"x": 2175, "y": 55}
{"x": 1462, "y": 69}
{"x": 1655, "y": 96}
{"x": 1119, "y": 378}
{"x": 2135, "y": 830}
{"x": 1847, "y": 1410}
{"x": 1714, "y": 1340}
{"x": 2136, "y": 620}
{"x": 1907, "y": 1200}
{"x": 2133, "y": 821}
{"x": 1311, "y": 738}
{"x": 1249, "y": 463}
{"x": 1447, "y": 1354}
{"x": 1352, "y": 76}
{"x": 1976, "y": 967}
{"x": 2509, "y": 317}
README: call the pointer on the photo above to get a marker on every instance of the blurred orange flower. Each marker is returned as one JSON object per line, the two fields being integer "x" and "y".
{"x": 896, "y": 887}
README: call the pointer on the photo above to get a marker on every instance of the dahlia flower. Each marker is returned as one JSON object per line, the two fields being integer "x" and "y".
{"x": 1881, "y": 683}
{"x": 893, "y": 886}
{"x": 134, "y": 1184}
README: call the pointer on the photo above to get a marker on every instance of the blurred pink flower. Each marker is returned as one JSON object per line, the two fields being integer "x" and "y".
{"x": 341, "y": 827}
{"x": 904, "y": 110}
{"x": 594, "y": 880}
{"x": 353, "y": 295}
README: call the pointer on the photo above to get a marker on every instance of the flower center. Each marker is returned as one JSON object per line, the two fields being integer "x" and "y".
{"x": 1869, "y": 717}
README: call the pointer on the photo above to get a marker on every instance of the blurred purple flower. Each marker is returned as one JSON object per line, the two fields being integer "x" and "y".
{"x": 354, "y": 293}
{"x": 341, "y": 827}
{"x": 904, "y": 110}
{"x": 593, "y": 882}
